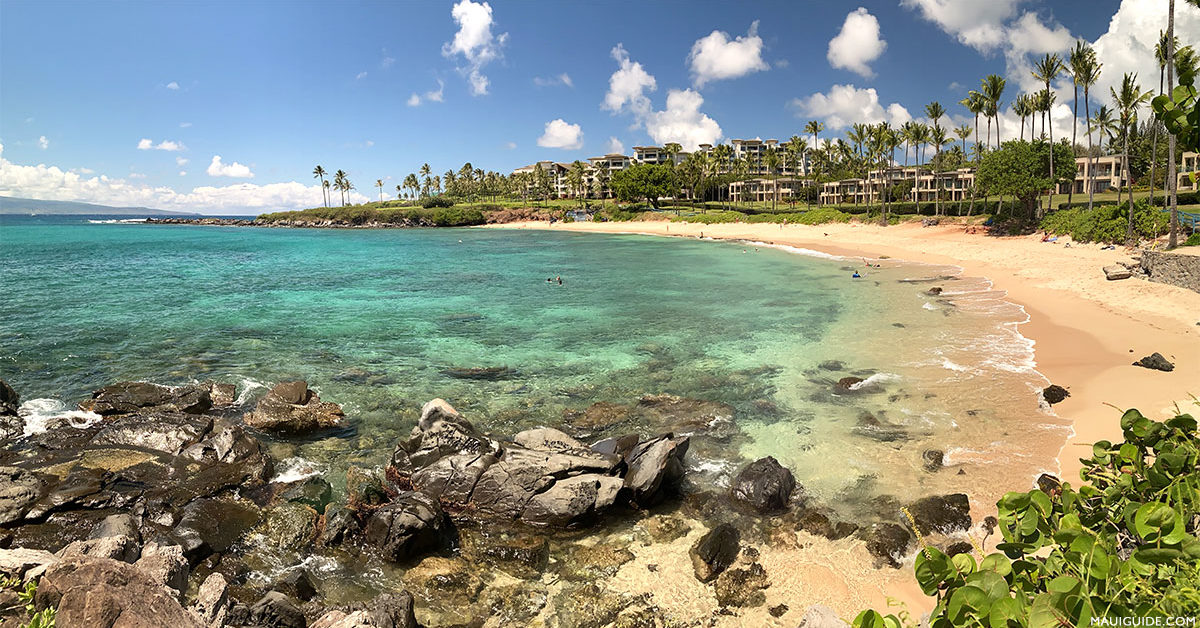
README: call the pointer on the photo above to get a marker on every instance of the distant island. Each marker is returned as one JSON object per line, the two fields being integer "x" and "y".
{"x": 11, "y": 205}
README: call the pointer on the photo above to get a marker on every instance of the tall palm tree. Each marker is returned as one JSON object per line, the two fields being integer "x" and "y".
{"x": 1046, "y": 70}
{"x": 412, "y": 183}
{"x": 963, "y": 131}
{"x": 1173, "y": 239}
{"x": 1160, "y": 56}
{"x": 426, "y": 180}
{"x": 379, "y": 184}
{"x": 325, "y": 189}
{"x": 992, "y": 88}
{"x": 814, "y": 128}
{"x": 974, "y": 102}
{"x": 937, "y": 137}
{"x": 319, "y": 173}
{"x": 339, "y": 179}
{"x": 1128, "y": 100}
{"x": 772, "y": 160}
{"x": 1081, "y": 59}
{"x": 1086, "y": 76}
{"x": 672, "y": 149}
{"x": 399, "y": 192}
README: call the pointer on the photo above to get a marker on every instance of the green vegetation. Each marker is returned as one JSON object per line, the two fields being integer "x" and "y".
{"x": 644, "y": 182}
{"x": 25, "y": 593}
{"x": 1124, "y": 545}
{"x": 359, "y": 215}
{"x": 1193, "y": 240}
{"x": 1022, "y": 170}
{"x": 1107, "y": 223}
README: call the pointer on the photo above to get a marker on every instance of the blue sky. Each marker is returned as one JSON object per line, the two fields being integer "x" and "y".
{"x": 225, "y": 107}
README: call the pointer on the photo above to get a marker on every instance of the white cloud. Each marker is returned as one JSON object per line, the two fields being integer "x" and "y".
{"x": 436, "y": 95}
{"x": 387, "y": 62}
{"x": 716, "y": 56}
{"x": 561, "y": 79}
{"x": 360, "y": 75}
{"x": 183, "y": 173}
{"x": 83, "y": 170}
{"x": 181, "y": 161}
{"x": 43, "y": 143}
{"x": 627, "y": 86}
{"x": 370, "y": 143}
{"x": 683, "y": 122}
{"x": 136, "y": 175}
{"x": 510, "y": 145}
{"x": 475, "y": 42}
{"x": 173, "y": 85}
{"x": 52, "y": 183}
{"x": 234, "y": 170}
{"x": 782, "y": 63}
{"x": 167, "y": 145}
{"x": 1128, "y": 44}
{"x": 975, "y": 23}
{"x": 844, "y": 105}
{"x": 184, "y": 125}
{"x": 858, "y": 43}
{"x": 615, "y": 147}
{"x": 560, "y": 134}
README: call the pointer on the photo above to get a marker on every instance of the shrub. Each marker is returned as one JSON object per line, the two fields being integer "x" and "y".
{"x": 431, "y": 202}
{"x": 457, "y": 217}
{"x": 1193, "y": 240}
{"x": 1108, "y": 224}
{"x": 1122, "y": 546}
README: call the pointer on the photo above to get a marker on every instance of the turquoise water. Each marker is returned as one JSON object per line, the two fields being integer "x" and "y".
{"x": 372, "y": 319}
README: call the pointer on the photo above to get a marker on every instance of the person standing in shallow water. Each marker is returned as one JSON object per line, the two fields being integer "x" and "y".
{"x": 558, "y": 279}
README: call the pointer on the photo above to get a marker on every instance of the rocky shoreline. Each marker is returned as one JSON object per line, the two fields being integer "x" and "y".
{"x": 152, "y": 511}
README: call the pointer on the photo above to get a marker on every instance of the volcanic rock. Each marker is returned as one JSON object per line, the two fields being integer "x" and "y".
{"x": 139, "y": 397}
{"x": 941, "y": 513}
{"x": 1155, "y": 361}
{"x": 290, "y": 407}
{"x": 715, "y": 551}
{"x": 1054, "y": 394}
{"x": 410, "y": 525}
{"x": 765, "y": 485}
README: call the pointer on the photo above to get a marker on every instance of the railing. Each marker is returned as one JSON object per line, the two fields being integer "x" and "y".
{"x": 1188, "y": 219}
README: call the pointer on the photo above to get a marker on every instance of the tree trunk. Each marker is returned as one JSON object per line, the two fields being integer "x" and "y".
{"x": 1154, "y": 149}
{"x": 1172, "y": 182}
{"x": 1074, "y": 137}
{"x": 1091, "y": 173}
{"x": 1128, "y": 184}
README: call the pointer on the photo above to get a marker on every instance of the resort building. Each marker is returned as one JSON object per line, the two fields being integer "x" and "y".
{"x": 1187, "y": 169}
{"x": 762, "y": 190}
{"x": 1111, "y": 172}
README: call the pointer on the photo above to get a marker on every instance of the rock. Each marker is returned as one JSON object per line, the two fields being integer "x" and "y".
{"x": 572, "y": 501}
{"x": 20, "y": 561}
{"x": 116, "y": 525}
{"x": 168, "y": 433}
{"x": 276, "y": 610}
{"x": 832, "y": 365}
{"x": 212, "y": 601}
{"x": 19, "y": 490}
{"x": 934, "y": 291}
{"x": 122, "y": 548}
{"x": 653, "y": 466}
{"x": 778, "y": 611}
{"x": 519, "y": 555}
{"x": 715, "y": 551}
{"x": 817, "y": 523}
{"x": 213, "y": 525}
{"x": 313, "y": 491}
{"x": 821, "y": 616}
{"x": 870, "y": 426}
{"x": 166, "y": 565}
{"x": 1155, "y": 361}
{"x": 222, "y": 395}
{"x": 385, "y": 611}
{"x": 142, "y": 397}
{"x": 845, "y": 384}
{"x": 12, "y": 427}
{"x": 665, "y": 528}
{"x": 593, "y": 563}
{"x": 1116, "y": 271}
{"x": 549, "y": 440}
{"x": 961, "y": 547}
{"x": 291, "y": 526}
{"x": 888, "y": 541}
{"x": 617, "y": 445}
{"x": 451, "y": 581}
{"x": 1054, "y": 394}
{"x": 9, "y": 400}
{"x": 941, "y": 513}
{"x": 742, "y": 587}
{"x": 598, "y": 416}
{"x": 1049, "y": 484}
{"x": 297, "y": 583}
{"x": 292, "y": 408}
{"x": 340, "y": 525}
{"x": 489, "y": 373}
{"x": 105, "y": 593}
{"x": 764, "y": 485}
{"x": 933, "y": 459}
{"x": 408, "y": 527}
{"x": 365, "y": 488}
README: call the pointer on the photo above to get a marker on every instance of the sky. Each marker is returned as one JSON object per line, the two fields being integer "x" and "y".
{"x": 226, "y": 107}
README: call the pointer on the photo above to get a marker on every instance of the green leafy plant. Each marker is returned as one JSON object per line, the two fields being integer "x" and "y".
{"x": 1122, "y": 545}
{"x": 26, "y": 592}
{"x": 1179, "y": 112}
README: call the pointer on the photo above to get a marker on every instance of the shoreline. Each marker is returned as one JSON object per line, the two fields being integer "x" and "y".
{"x": 1087, "y": 331}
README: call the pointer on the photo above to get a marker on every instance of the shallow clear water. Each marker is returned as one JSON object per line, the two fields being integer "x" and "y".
{"x": 371, "y": 319}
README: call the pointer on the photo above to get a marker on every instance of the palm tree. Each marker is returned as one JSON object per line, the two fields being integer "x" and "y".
{"x": 325, "y": 189}
{"x": 992, "y": 88}
{"x": 319, "y": 173}
{"x": 1160, "y": 55}
{"x": 937, "y": 137}
{"x": 963, "y": 131}
{"x": 814, "y": 128}
{"x": 399, "y": 192}
{"x": 1173, "y": 239}
{"x": 772, "y": 162}
{"x": 672, "y": 149}
{"x": 974, "y": 102}
{"x": 1046, "y": 70}
{"x": 379, "y": 184}
{"x": 1079, "y": 61}
{"x": 1086, "y": 73}
{"x": 858, "y": 135}
{"x": 412, "y": 183}
{"x": 1128, "y": 100}
{"x": 426, "y": 180}
{"x": 339, "y": 180}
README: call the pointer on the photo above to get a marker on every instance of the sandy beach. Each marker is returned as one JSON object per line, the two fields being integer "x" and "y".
{"x": 1087, "y": 333}
{"x": 1088, "y": 330}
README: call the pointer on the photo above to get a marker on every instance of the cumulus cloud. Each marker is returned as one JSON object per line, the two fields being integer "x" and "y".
{"x": 615, "y": 147}
{"x": 436, "y": 95}
{"x": 716, "y": 56}
{"x": 183, "y": 173}
{"x": 234, "y": 170}
{"x": 561, "y": 79}
{"x": 683, "y": 122}
{"x": 184, "y": 125}
{"x": 627, "y": 86}
{"x": 510, "y": 145}
{"x": 173, "y": 85}
{"x": 181, "y": 161}
{"x": 474, "y": 42}
{"x": 53, "y": 183}
{"x": 1128, "y": 44}
{"x": 858, "y": 43}
{"x": 167, "y": 145}
{"x": 975, "y": 23}
{"x": 560, "y": 134}
{"x": 360, "y": 76}
{"x": 43, "y": 143}
{"x": 844, "y": 105}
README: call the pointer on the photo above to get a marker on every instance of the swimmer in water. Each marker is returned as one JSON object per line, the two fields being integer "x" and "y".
{"x": 855, "y": 275}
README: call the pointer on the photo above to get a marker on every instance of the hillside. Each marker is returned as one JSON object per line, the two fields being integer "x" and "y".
{"x": 11, "y": 205}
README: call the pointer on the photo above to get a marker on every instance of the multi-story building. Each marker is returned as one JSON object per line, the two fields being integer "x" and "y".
{"x": 762, "y": 190}
{"x": 1188, "y": 168}
{"x": 1111, "y": 172}
{"x": 656, "y": 155}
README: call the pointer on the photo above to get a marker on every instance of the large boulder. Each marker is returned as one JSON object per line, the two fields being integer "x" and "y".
{"x": 292, "y": 408}
{"x": 167, "y": 433}
{"x": 385, "y": 611}
{"x": 139, "y": 397}
{"x": 408, "y": 527}
{"x": 19, "y": 490}
{"x": 715, "y": 552}
{"x": 888, "y": 542}
{"x": 653, "y": 466}
{"x": 1155, "y": 361}
{"x": 276, "y": 610}
{"x": 941, "y": 513}
{"x": 106, "y": 593}
{"x": 9, "y": 400}
{"x": 764, "y": 485}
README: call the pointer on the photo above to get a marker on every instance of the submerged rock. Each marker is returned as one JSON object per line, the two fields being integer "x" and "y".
{"x": 1155, "y": 361}
{"x": 941, "y": 513}
{"x": 141, "y": 397}
{"x": 765, "y": 485}
{"x": 1054, "y": 394}
{"x": 290, "y": 407}
{"x": 407, "y": 527}
{"x": 742, "y": 587}
{"x": 489, "y": 373}
{"x": 276, "y": 610}
{"x": 715, "y": 551}
{"x": 933, "y": 459}
{"x": 888, "y": 542}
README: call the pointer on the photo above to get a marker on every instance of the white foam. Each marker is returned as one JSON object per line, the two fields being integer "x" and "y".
{"x": 797, "y": 250}
{"x": 296, "y": 469}
{"x": 929, "y": 306}
{"x": 115, "y": 221}
{"x": 42, "y": 414}
{"x": 248, "y": 386}
{"x": 878, "y": 378}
